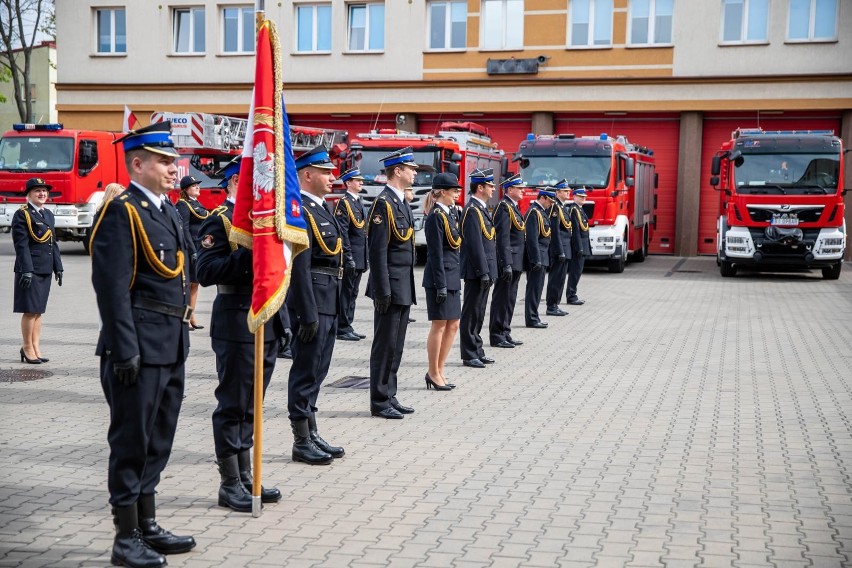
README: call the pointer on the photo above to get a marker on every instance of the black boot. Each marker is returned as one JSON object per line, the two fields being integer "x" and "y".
{"x": 156, "y": 536}
{"x": 129, "y": 549}
{"x": 304, "y": 448}
{"x": 334, "y": 451}
{"x": 232, "y": 492}
{"x": 271, "y": 495}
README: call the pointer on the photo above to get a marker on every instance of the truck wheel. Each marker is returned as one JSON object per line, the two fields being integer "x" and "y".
{"x": 641, "y": 254}
{"x": 831, "y": 272}
{"x": 727, "y": 269}
{"x": 616, "y": 265}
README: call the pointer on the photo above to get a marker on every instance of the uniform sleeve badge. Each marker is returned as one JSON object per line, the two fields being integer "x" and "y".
{"x": 207, "y": 241}
{"x": 377, "y": 220}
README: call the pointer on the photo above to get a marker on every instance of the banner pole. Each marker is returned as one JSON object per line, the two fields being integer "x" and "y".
{"x": 258, "y": 423}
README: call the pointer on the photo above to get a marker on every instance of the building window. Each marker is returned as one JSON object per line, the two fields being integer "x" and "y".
{"x": 366, "y": 27}
{"x": 189, "y": 30}
{"x": 238, "y": 29}
{"x": 745, "y": 21}
{"x": 112, "y": 30}
{"x": 591, "y": 23}
{"x": 313, "y": 33}
{"x": 502, "y": 24}
{"x": 812, "y": 20}
{"x": 651, "y": 22}
{"x": 447, "y": 25}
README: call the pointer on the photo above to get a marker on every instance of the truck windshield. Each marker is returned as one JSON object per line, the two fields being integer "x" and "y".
{"x": 373, "y": 170}
{"x": 795, "y": 174}
{"x": 578, "y": 170}
{"x": 36, "y": 153}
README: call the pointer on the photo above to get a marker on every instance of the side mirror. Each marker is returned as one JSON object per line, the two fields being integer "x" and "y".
{"x": 456, "y": 157}
{"x": 716, "y": 167}
{"x": 453, "y": 168}
{"x": 504, "y": 167}
{"x": 714, "y": 181}
{"x": 629, "y": 169}
{"x": 630, "y": 181}
{"x": 736, "y": 157}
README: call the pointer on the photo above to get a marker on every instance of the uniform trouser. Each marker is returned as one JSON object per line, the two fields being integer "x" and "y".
{"x": 348, "y": 293}
{"x": 386, "y": 354}
{"x": 310, "y": 366}
{"x": 535, "y": 286}
{"x": 503, "y": 308}
{"x": 475, "y": 300}
{"x": 143, "y": 419}
{"x": 556, "y": 282}
{"x": 575, "y": 270}
{"x": 233, "y": 419}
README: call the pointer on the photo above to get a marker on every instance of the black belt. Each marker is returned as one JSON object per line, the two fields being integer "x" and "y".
{"x": 174, "y": 310}
{"x": 336, "y": 272}
{"x": 231, "y": 289}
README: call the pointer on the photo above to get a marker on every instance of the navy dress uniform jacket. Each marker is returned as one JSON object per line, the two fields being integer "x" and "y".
{"x": 442, "y": 256}
{"x": 479, "y": 249}
{"x": 391, "y": 258}
{"x": 580, "y": 237}
{"x": 538, "y": 237}
{"x": 30, "y": 254}
{"x": 350, "y": 214}
{"x": 509, "y": 224}
{"x": 561, "y": 231}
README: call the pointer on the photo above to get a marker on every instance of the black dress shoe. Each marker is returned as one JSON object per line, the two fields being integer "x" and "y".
{"x": 360, "y": 335}
{"x": 486, "y": 360}
{"x": 389, "y": 413}
{"x": 348, "y": 336}
{"x": 411, "y": 320}
{"x": 576, "y": 302}
{"x": 402, "y": 409}
{"x": 556, "y": 312}
{"x": 504, "y": 344}
{"x": 475, "y": 363}
{"x": 515, "y": 341}
{"x": 537, "y": 325}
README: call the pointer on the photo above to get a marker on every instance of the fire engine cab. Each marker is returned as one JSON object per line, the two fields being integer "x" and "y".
{"x": 781, "y": 201}
{"x": 621, "y": 180}
{"x": 459, "y": 148}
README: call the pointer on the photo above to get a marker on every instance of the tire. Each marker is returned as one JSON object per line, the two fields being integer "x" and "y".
{"x": 641, "y": 254}
{"x": 832, "y": 272}
{"x": 727, "y": 269}
{"x": 616, "y": 265}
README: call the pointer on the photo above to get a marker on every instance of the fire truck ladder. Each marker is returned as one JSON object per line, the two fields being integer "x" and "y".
{"x": 303, "y": 138}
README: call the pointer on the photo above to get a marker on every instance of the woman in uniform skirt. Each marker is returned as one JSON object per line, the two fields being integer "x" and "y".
{"x": 193, "y": 213}
{"x": 441, "y": 277}
{"x": 36, "y": 260}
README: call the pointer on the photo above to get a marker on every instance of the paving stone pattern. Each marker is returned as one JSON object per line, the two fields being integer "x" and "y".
{"x": 677, "y": 419}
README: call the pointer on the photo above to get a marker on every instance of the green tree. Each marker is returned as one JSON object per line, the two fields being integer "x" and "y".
{"x": 21, "y": 23}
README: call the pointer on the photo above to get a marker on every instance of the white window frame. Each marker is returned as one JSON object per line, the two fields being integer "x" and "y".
{"x": 315, "y": 21}
{"x": 192, "y": 10}
{"x": 744, "y": 26}
{"x": 503, "y": 4}
{"x": 366, "y": 6}
{"x": 240, "y": 28}
{"x": 590, "y": 44}
{"x": 652, "y": 26}
{"x": 112, "y": 51}
{"x": 812, "y": 24}
{"x": 448, "y": 25}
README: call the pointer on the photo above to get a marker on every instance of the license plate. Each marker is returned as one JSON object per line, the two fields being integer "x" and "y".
{"x": 784, "y": 220}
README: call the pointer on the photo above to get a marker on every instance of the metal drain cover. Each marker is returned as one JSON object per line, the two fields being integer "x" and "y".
{"x": 351, "y": 382}
{"x": 22, "y": 375}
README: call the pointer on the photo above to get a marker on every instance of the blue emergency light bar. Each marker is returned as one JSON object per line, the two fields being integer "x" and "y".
{"x": 53, "y": 126}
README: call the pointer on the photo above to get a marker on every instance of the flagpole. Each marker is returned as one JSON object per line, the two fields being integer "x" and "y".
{"x": 256, "y": 504}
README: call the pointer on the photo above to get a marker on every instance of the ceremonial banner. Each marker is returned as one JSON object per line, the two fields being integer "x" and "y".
{"x": 129, "y": 122}
{"x": 267, "y": 214}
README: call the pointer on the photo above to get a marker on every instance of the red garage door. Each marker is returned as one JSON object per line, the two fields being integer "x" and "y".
{"x": 717, "y": 129}
{"x": 661, "y": 134}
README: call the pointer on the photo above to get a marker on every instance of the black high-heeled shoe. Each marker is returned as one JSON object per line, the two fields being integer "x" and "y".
{"x": 25, "y": 359}
{"x": 430, "y": 384}
{"x": 43, "y": 359}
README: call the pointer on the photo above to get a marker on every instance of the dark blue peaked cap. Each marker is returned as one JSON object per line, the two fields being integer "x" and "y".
{"x": 317, "y": 157}
{"x": 155, "y": 138}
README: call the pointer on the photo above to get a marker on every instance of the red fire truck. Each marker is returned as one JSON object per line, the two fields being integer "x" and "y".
{"x": 781, "y": 201}
{"x": 622, "y": 181}
{"x": 459, "y": 148}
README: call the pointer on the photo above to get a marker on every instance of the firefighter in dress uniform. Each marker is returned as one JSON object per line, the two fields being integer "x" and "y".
{"x": 581, "y": 246}
{"x": 349, "y": 211}
{"x": 478, "y": 267}
{"x": 537, "y": 251}
{"x": 509, "y": 225}
{"x": 193, "y": 214}
{"x": 36, "y": 260}
{"x": 139, "y": 273}
{"x": 229, "y": 267}
{"x": 390, "y": 240}
{"x": 313, "y": 302}
{"x": 560, "y": 248}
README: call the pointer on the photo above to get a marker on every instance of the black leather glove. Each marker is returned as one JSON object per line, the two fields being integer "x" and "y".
{"x": 58, "y": 276}
{"x": 382, "y": 304}
{"x": 307, "y": 331}
{"x": 25, "y": 280}
{"x": 126, "y": 371}
{"x": 506, "y": 274}
{"x": 536, "y": 267}
{"x": 485, "y": 281}
{"x": 441, "y": 296}
{"x": 287, "y": 338}
{"x": 349, "y": 268}
{"x": 561, "y": 257}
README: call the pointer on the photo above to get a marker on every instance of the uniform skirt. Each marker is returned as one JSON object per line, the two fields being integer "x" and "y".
{"x": 32, "y": 300}
{"x": 449, "y": 310}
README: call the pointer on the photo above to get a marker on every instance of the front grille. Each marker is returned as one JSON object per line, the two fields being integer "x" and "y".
{"x": 805, "y": 215}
